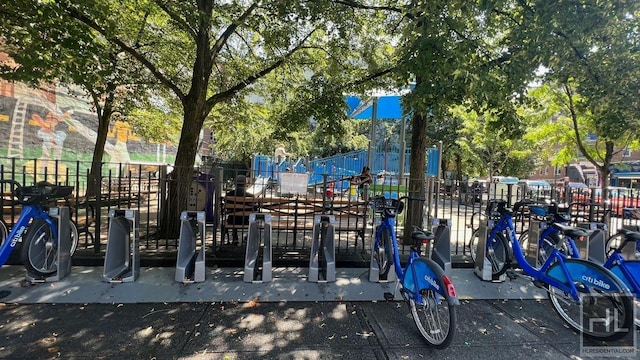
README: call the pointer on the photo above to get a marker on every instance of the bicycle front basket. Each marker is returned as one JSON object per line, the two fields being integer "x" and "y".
{"x": 61, "y": 191}
{"x": 538, "y": 210}
{"x": 30, "y": 194}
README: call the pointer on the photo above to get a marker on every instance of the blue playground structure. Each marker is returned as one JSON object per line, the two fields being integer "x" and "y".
{"x": 339, "y": 168}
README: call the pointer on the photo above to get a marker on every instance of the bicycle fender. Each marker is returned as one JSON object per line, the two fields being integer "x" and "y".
{"x": 633, "y": 266}
{"x": 585, "y": 271}
{"x": 425, "y": 273}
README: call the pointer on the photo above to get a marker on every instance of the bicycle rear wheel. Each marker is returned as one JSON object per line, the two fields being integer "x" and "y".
{"x": 434, "y": 316}
{"x": 603, "y": 296}
{"x": 383, "y": 253}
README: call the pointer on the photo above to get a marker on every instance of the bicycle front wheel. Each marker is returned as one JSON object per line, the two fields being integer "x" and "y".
{"x": 605, "y": 309}
{"x": 4, "y": 231}
{"x": 383, "y": 253}
{"x": 40, "y": 249}
{"x": 73, "y": 236}
{"x": 614, "y": 242}
{"x": 496, "y": 251}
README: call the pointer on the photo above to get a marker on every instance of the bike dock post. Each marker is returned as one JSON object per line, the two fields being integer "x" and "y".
{"x": 190, "y": 262}
{"x": 532, "y": 250}
{"x": 482, "y": 267}
{"x": 441, "y": 252}
{"x": 257, "y": 266}
{"x": 322, "y": 262}
{"x": 122, "y": 257}
{"x": 64, "y": 247}
{"x": 593, "y": 247}
{"x": 629, "y": 251}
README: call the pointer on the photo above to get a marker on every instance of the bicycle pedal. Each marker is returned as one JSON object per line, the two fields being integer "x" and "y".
{"x": 388, "y": 296}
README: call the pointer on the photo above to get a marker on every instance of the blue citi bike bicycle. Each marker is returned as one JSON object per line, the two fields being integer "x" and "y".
{"x": 36, "y": 227}
{"x": 623, "y": 259}
{"x": 582, "y": 293}
{"x": 423, "y": 284}
{"x": 557, "y": 234}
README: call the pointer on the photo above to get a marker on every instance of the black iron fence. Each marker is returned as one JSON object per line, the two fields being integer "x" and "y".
{"x": 145, "y": 188}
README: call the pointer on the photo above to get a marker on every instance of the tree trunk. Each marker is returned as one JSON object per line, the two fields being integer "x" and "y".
{"x": 183, "y": 174}
{"x": 417, "y": 170}
{"x": 104, "y": 118}
{"x": 95, "y": 174}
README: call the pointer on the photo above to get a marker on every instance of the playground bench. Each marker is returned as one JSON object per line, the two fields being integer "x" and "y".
{"x": 130, "y": 188}
{"x": 296, "y": 214}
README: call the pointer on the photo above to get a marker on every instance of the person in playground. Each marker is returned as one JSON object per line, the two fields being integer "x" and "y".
{"x": 353, "y": 188}
{"x": 280, "y": 154}
{"x": 364, "y": 181}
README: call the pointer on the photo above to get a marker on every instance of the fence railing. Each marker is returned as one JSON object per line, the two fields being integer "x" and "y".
{"x": 145, "y": 188}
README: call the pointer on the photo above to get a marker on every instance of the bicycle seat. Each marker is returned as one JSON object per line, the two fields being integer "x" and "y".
{"x": 572, "y": 232}
{"x": 422, "y": 235}
{"x": 630, "y": 235}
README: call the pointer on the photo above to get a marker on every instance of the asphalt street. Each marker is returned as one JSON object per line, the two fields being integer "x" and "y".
{"x": 346, "y": 319}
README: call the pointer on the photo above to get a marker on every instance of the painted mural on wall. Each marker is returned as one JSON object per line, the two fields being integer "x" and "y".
{"x": 50, "y": 125}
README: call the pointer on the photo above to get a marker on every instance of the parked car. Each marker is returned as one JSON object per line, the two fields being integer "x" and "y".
{"x": 534, "y": 189}
{"x": 579, "y": 192}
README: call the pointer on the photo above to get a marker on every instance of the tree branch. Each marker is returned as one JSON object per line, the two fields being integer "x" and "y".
{"x": 574, "y": 119}
{"x": 230, "y": 92}
{"x": 75, "y": 14}
{"x": 175, "y": 17}
{"x": 357, "y": 5}
{"x": 224, "y": 37}
{"x": 579, "y": 55}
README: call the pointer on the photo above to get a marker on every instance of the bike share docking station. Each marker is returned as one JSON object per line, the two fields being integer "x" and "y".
{"x": 190, "y": 262}
{"x": 322, "y": 263}
{"x": 629, "y": 251}
{"x": 441, "y": 252}
{"x": 122, "y": 258}
{"x": 438, "y": 250}
{"x": 531, "y": 249}
{"x": 593, "y": 246}
{"x": 257, "y": 264}
{"x": 482, "y": 267}
{"x": 61, "y": 214}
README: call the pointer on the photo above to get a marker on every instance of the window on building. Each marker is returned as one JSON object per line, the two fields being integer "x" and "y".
{"x": 626, "y": 153}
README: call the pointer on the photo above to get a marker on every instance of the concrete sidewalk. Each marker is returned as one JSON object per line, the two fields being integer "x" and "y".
{"x": 157, "y": 285}
{"x": 82, "y": 317}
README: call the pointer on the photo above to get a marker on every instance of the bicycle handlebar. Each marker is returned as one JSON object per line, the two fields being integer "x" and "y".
{"x": 12, "y": 182}
{"x": 42, "y": 192}
{"x": 383, "y": 204}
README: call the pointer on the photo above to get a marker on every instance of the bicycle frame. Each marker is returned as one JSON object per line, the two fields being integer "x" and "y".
{"x": 618, "y": 265}
{"x": 550, "y": 231}
{"x": 624, "y": 270}
{"x": 560, "y": 272}
{"x": 28, "y": 213}
{"x": 442, "y": 285}
{"x": 389, "y": 223}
